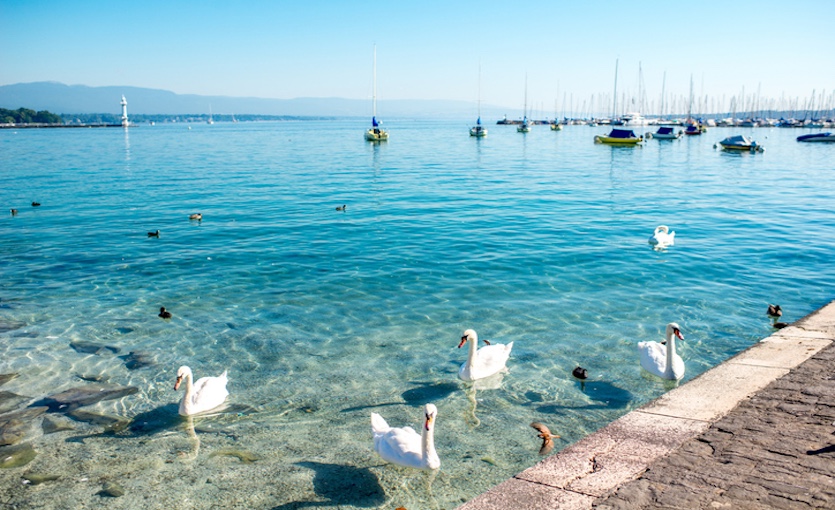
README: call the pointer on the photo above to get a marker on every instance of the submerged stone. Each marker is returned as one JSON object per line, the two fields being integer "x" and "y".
{"x": 6, "y": 326}
{"x": 93, "y": 348}
{"x": 92, "y": 378}
{"x": 37, "y": 479}
{"x": 16, "y": 456}
{"x": 244, "y": 456}
{"x": 138, "y": 359}
{"x": 86, "y": 395}
{"x": 111, "y": 490}
{"x": 52, "y": 424}
{"x": 110, "y": 423}
{"x": 10, "y": 401}
{"x": 4, "y": 378}
{"x": 13, "y": 432}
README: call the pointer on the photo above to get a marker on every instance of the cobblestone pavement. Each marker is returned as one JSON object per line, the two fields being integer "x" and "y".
{"x": 774, "y": 451}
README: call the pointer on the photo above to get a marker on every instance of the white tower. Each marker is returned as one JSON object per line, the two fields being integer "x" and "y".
{"x": 124, "y": 104}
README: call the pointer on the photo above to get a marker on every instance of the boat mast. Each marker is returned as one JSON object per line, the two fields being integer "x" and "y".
{"x": 663, "y": 87}
{"x": 615, "y": 104}
{"x": 374, "y": 90}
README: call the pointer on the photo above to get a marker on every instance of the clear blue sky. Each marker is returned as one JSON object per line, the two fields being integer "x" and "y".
{"x": 427, "y": 49}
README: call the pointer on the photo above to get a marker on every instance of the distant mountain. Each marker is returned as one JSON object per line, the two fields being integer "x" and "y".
{"x": 77, "y": 99}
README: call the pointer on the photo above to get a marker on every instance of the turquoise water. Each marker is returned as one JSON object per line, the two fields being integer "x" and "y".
{"x": 323, "y": 316}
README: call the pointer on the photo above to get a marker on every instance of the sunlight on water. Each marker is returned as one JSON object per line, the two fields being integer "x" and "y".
{"x": 324, "y": 316}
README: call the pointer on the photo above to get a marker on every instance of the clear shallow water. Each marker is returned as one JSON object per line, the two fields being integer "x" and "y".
{"x": 322, "y": 317}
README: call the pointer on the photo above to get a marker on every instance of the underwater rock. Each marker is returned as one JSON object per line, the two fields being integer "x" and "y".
{"x": 16, "y": 456}
{"x": 138, "y": 359}
{"x": 110, "y": 423}
{"x": 10, "y": 401}
{"x": 6, "y": 326}
{"x": 93, "y": 378}
{"x": 37, "y": 479}
{"x": 13, "y": 431}
{"x": 111, "y": 490}
{"x": 4, "y": 378}
{"x": 244, "y": 456}
{"x": 86, "y": 395}
{"x": 93, "y": 348}
{"x": 15, "y": 426}
{"x": 52, "y": 424}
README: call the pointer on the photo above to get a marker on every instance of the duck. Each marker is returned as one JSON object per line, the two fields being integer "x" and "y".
{"x": 774, "y": 311}
{"x": 14, "y": 212}
{"x": 580, "y": 373}
{"x": 660, "y": 359}
{"x": 341, "y": 207}
{"x": 404, "y": 446}
{"x": 153, "y": 234}
{"x": 204, "y": 395}
{"x": 484, "y": 362}
{"x": 165, "y": 314}
{"x": 36, "y": 204}
{"x": 196, "y": 216}
{"x": 662, "y": 237}
{"x": 547, "y": 438}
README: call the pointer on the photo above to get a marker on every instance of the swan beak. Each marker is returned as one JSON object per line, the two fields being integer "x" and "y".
{"x": 463, "y": 341}
{"x": 429, "y": 420}
{"x": 177, "y": 384}
{"x": 678, "y": 333}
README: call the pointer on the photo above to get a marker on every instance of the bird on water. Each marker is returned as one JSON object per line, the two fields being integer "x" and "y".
{"x": 153, "y": 234}
{"x": 165, "y": 314}
{"x": 547, "y": 437}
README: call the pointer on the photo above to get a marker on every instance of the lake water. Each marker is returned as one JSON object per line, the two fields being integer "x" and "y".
{"x": 323, "y": 316}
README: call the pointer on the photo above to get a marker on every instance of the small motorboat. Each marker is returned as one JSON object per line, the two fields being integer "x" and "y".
{"x": 693, "y": 129}
{"x": 665, "y": 133}
{"x": 817, "y": 137}
{"x": 740, "y": 143}
{"x": 619, "y": 137}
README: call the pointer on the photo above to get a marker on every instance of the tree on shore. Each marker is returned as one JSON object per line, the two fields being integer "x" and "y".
{"x": 27, "y": 116}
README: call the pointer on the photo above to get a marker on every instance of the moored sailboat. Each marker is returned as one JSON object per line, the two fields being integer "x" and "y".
{"x": 376, "y": 133}
{"x": 478, "y": 130}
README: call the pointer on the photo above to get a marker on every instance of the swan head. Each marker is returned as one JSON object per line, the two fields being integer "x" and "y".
{"x": 182, "y": 373}
{"x": 662, "y": 228}
{"x": 674, "y": 329}
{"x": 469, "y": 335}
{"x": 431, "y": 413}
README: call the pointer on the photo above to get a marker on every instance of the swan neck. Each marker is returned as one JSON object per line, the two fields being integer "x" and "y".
{"x": 187, "y": 396}
{"x": 671, "y": 351}
{"x": 427, "y": 440}
{"x": 471, "y": 354}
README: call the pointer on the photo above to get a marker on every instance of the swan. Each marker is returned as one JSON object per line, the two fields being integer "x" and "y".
{"x": 661, "y": 360}
{"x": 662, "y": 237}
{"x": 404, "y": 446}
{"x": 483, "y": 362}
{"x": 207, "y": 392}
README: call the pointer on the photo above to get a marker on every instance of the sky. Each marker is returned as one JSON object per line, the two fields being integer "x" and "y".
{"x": 553, "y": 53}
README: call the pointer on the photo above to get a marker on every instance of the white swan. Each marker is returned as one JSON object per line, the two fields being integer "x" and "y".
{"x": 662, "y": 237}
{"x": 483, "y": 362}
{"x": 404, "y": 446}
{"x": 205, "y": 394}
{"x": 661, "y": 360}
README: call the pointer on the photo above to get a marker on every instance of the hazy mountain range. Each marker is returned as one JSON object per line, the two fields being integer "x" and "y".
{"x": 77, "y": 99}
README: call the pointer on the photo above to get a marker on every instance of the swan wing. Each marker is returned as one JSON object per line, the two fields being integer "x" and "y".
{"x": 400, "y": 446}
{"x": 209, "y": 392}
{"x": 653, "y": 357}
{"x": 490, "y": 359}
{"x": 378, "y": 425}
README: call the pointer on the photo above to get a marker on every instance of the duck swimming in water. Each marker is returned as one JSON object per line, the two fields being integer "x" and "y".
{"x": 341, "y": 207}
{"x": 196, "y": 216}
{"x": 153, "y": 234}
{"x": 774, "y": 311}
{"x": 165, "y": 314}
{"x": 580, "y": 373}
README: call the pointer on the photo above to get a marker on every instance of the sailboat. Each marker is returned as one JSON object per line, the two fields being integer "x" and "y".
{"x": 210, "y": 121}
{"x": 478, "y": 130}
{"x": 525, "y": 126}
{"x": 375, "y": 134}
{"x": 556, "y": 126}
